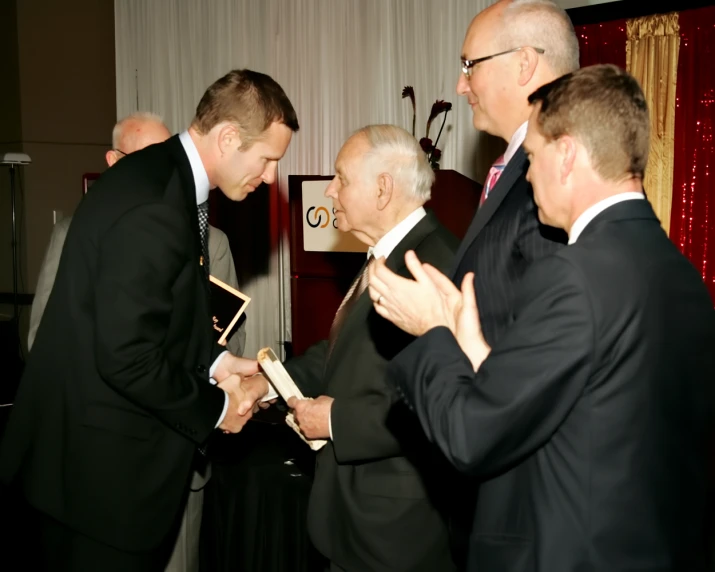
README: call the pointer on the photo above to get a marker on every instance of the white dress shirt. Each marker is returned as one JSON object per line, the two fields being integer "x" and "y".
{"x": 385, "y": 246}
{"x": 515, "y": 142}
{"x": 594, "y": 210}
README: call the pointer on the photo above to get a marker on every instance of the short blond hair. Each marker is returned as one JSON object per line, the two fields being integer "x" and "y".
{"x": 603, "y": 106}
{"x": 250, "y": 100}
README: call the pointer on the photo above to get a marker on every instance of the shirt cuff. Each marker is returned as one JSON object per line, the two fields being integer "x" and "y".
{"x": 330, "y": 422}
{"x": 214, "y": 365}
{"x": 271, "y": 393}
{"x": 212, "y": 381}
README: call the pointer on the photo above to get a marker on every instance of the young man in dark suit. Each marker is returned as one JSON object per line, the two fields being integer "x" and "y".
{"x": 370, "y": 506}
{"x": 590, "y": 421}
{"x": 116, "y": 399}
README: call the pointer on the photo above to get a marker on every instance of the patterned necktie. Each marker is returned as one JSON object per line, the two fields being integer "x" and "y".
{"x": 204, "y": 232}
{"x": 356, "y": 289}
{"x": 492, "y": 178}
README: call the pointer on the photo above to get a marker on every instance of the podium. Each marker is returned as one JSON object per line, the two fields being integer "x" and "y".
{"x": 320, "y": 280}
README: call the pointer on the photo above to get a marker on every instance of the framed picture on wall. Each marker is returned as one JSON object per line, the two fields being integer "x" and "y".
{"x": 87, "y": 180}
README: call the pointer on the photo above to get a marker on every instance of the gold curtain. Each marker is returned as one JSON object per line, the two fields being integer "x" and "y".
{"x": 652, "y": 58}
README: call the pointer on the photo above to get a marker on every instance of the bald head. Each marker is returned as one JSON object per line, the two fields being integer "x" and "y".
{"x": 527, "y": 43}
{"x": 135, "y": 132}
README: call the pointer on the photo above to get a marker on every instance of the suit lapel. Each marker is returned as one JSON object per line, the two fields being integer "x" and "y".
{"x": 512, "y": 172}
{"x": 395, "y": 262}
{"x": 188, "y": 189}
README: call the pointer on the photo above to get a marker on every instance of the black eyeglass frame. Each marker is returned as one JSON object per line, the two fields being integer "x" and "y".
{"x": 467, "y": 65}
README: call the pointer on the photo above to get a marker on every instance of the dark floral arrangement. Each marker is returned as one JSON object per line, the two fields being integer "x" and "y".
{"x": 439, "y": 106}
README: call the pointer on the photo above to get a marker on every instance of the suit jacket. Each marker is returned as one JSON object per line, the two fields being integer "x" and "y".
{"x": 220, "y": 258}
{"x": 115, "y": 396}
{"x": 589, "y": 422}
{"x": 46, "y": 279}
{"x": 369, "y": 507}
{"x": 505, "y": 237}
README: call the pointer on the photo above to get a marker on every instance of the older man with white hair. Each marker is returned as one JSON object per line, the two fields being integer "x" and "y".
{"x": 370, "y": 509}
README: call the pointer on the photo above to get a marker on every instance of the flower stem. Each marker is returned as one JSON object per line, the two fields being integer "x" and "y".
{"x": 440, "y": 129}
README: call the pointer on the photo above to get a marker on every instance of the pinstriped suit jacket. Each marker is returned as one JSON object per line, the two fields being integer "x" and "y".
{"x": 505, "y": 237}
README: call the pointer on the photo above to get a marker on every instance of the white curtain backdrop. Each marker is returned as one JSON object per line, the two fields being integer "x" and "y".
{"x": 343, "y": 64}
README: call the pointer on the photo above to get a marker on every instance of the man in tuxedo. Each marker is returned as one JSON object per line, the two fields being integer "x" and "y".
{"x": 130, "y": 134}
{"x": 115, "y": 399}
{"x": 369, "y": 507}
{"x": 589, "y": 421}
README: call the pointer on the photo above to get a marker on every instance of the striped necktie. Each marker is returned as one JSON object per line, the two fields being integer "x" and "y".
{"x": 356, "y": 289}
{"x": 492, "y": 178}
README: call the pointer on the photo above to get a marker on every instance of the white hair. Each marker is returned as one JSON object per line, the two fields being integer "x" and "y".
{"x": 541, "y": 24}
{"x": 395, "y": 151}
{"x": 137, "y": 116}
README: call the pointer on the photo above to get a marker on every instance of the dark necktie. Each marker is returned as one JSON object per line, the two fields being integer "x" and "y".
{"x": 356, "y": 289}
{"x": 204, "y": 232}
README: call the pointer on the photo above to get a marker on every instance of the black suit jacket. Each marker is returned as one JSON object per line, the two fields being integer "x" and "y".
{"x": 589, "y": 421}
{"x": 115, "y": 396}
{"x": 505, "y": 237}
{"x": 369, "y": 506}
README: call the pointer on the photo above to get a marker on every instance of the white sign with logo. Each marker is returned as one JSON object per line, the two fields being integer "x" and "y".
{"x": 320, "y": 227}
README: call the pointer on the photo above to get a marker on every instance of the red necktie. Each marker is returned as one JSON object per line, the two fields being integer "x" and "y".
{"x": 492, "y": 178}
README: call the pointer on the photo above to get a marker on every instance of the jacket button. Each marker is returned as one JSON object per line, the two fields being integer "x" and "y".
{"x": 201, "y": 369}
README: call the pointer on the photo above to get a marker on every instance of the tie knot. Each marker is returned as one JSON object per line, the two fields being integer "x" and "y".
{"x": 204, "y": 207}
{"x": 499, "y": 163}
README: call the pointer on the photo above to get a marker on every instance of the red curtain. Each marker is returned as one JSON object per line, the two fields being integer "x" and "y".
{"x": 603, "y": 43}
{"x": 692, "y": 225}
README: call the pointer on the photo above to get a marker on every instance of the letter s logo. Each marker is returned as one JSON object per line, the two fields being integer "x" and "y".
{"x": 318, "y": 216}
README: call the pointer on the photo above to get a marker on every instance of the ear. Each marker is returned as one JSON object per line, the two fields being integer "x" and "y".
{"x": 567, "y": 151}
{"x": 385, "y": 188}
{"x": 228, "y": 138}
{"x": 528, "y": 60}
{"x": 111, "y": 157}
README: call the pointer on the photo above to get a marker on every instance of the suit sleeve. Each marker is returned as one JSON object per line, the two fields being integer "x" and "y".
{"x": 485, "y": 422}
{"x": 222, "y": 267}
{"x": 140, "y": 259}
{"x": 46, "y": 279}
{"x": 308, "y": 370}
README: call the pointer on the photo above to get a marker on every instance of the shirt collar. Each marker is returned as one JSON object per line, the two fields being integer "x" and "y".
{"x": 594, "y": 210}
{"x": 516, "y": 141}
{"x": 201, "y": 178}
{"x": 387, "y": 243}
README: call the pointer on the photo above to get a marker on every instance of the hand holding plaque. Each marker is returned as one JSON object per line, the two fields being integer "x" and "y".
{"x": 282, "y": 382}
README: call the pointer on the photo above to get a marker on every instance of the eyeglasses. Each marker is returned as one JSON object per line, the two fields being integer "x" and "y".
{"x": 467, "y": 65}
{"x": 120, "y": 151}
